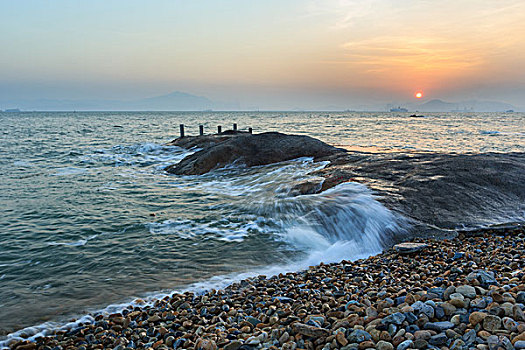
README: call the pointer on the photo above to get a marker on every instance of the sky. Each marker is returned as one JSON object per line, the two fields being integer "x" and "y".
{"x": 264, "y": 54}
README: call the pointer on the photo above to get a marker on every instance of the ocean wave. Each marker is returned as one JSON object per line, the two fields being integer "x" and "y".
{"x": 141, "y": 155}
{"x": 68, "y": 171}
{"x": 343, "y": 223}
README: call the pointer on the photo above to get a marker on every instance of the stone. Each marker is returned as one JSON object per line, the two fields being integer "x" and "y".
{"x": 438, "y": 339}
{"x": 383, "y": 345}
{"x": 358, "y": 336}
{"x": 509, "y": 324}
{"x": 466, "y": 291}
{"x": 520, "y": 297}
{"x": 154, "y": 318}
{"x": 485, "y": 278}
{"x": 491, "y": 323}
{"x": 409, "y": 247}
{"x": 476, "y": 317}
{"x": 479, "y": 303}
{"x": 396, "y": 318}
{"x": 439, "y": 326}
{"x": 340, "y": 337}
{"x": 405, "y": 345}
{"x": 420, "y": 344}
{"x": 422, "y": 335}
{"x": 469, "y": 337}
{"x": 493, "y": 342}
{"x": 284, "y": 338}
{"x": 520, "y": 344}
{"x": 520, "y": 337}
{"x": 458, "y": 344}
{"x": 233, "y": 345}
{"x": 310, "y": 331}
{"x": 367, "y": 344}
{"x": 420, "y": 307}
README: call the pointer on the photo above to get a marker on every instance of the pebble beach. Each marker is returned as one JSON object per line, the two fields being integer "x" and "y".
{"x": 463, "y": 293}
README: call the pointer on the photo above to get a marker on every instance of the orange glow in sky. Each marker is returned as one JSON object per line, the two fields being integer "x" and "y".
{"x": 419, "y": 94}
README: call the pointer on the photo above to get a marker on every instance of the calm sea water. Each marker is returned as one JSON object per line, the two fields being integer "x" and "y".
{"x": 89, "y": 218}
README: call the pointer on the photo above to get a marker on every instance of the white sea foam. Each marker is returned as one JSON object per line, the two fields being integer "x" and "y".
{"x": 343, "y": 223}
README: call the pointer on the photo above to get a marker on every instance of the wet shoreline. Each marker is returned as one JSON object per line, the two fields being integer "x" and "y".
{"x": 460, "y": 293}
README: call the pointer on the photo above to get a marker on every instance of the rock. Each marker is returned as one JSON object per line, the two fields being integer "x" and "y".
{"x": 425, "y": 335}
{"x": 310, "y": 331}
{"x": 491, "y": 323}
{"x": 358, "y": 336}
{"x": 420, "y": 307}
{"x": 520, "y": 297}
{"x": 485, "y": 278}
{"x": 248, "y": 149}
{"x": 458, "y": 344}
{"x": 154, "y": 318}
{"x": 340, "y": 337}
{"x": 493, "y": 342}
{"x": 420, "y": 344}
{"x": 520, "y": 344}
{"x": 469, "y": 337}
{"x": 284, "y": 338}
{"x": 367, "y": 344}
{"x": 396, "y": 318}
{"x": 409, "y": 247}
{"x": 479, "y": 303}
{"x": 205, "y": 344}
{"x": 517, "y": 338}
{"x": 476, "y": 317}
{"x": 383, "y": 345}
{"x": 509, "y": 324}
{"x": 405, "y": 345}
{"x": 233, "y": 345}
{"x": 439, "y": 326}
{"x": 467, "y": 291}
{"x": 438, "y": 339}
{"x": 310, "y": 186}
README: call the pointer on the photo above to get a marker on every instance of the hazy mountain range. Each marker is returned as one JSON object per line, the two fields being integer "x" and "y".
{"x": 181, "y": 101}
{"x": 465, "y": 106}
{"x": 175, "y": 101}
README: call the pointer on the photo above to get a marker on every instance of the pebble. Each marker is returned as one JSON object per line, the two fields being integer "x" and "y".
{"x": 419, "y": 300}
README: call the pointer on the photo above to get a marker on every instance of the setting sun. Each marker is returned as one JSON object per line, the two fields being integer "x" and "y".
{"x": 419, "y": 94}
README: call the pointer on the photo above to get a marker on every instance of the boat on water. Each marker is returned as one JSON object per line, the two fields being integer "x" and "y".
{"x": 398, "y": 109}
{"x": 416, "y": 116}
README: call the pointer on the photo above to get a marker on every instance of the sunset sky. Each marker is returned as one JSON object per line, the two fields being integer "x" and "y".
{"x": 275, "y": 54}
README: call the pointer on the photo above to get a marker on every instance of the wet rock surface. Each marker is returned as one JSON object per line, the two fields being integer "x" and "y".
{"x": 435, "y": 191}
{"x": 247, "y": 149}
{"x": 430, "y": 300}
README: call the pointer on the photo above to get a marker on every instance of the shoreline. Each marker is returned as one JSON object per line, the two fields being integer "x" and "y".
{"x": 434, "y": 298}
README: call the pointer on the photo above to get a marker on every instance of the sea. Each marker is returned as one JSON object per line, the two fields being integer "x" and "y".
{"x": 91, "y": 222}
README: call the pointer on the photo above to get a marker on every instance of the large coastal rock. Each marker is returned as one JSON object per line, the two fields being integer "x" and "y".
{"x": 247, "y": 149}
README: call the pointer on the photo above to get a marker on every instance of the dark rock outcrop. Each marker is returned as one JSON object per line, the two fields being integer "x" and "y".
{"x": 247, "y": 149}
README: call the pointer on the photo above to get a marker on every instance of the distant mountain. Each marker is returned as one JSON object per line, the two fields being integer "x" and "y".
{"x": 437, "y": 105}
{"x": 175, "y": 101}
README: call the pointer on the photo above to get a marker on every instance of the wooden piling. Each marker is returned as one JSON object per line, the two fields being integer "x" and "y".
{"x": 250, "y": 130}
{"x": 181, "y": 126}
{"x": 219, "y": 129}
{"x": 235, "y": 127}
{"x": 201, "y": 130}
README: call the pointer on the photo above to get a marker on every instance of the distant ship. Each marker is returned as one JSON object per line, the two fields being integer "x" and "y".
{"x": 509, "y": 111}
{"x": 398, "y": 109}
{"x": 12, "y": 110}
